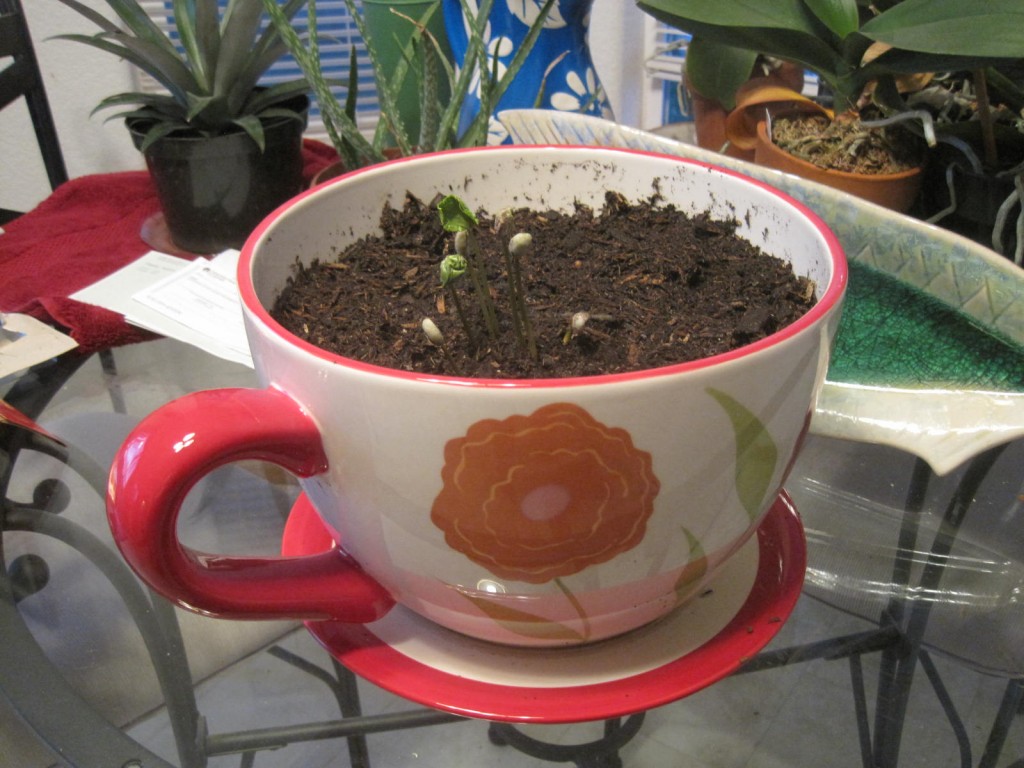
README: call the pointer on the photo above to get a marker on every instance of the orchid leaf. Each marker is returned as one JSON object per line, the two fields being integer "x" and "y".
{"x": 716, "y": 71}
{"x": 840, "y": 16}
{"x": 994, "y": 28}
{"x": 787, "y": 30}
{"x": 777, "y": 14}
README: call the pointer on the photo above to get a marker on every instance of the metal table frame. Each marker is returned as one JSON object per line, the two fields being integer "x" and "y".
{"x": 66, "y": 722}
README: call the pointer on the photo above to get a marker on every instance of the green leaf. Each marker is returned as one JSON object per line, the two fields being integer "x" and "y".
{"x": 455, "y": 214}
{"x": 453, "y": 266}
{"x": 157, "y": 132}
{"x": 265, "y": 53}
{"x": 490, "y": 97}
{"x": 141, "y": 26}
{"x": 253, "y": 126}
{"x": 476, "y": 58}
{"x": 169, "y": 71}
{"x": 185, "y": 22}
{"x": 777, "y": 14}
{"x": 239, "y": 27}
{"x": 756, "y": 453}
{"x": 430, "y": 89}
{"x": 524, "y": 624}
{"x": 96, "y": 18}
{"x": 197, "y": 104}
{"x": 715, "y": 71}
{"x": 993, "y": 28}
{"x": 345, "y": 135}
{"x": 840, "y": 16}
{"x": 694, "y": 571}
{"x": 207, "y": 35}
{"x": 264, "y": 98}
{"x": 387, "y": 89}
{"x": 160, "y": 101}
{"x": 787, "y": 30}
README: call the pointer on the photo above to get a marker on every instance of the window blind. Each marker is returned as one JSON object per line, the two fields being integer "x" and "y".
{"x": 338, "y": 35}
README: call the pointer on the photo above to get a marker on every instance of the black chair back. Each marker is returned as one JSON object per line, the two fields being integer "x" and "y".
{"x": 22, "y": 78}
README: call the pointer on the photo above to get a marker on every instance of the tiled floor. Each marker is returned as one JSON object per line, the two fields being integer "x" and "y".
{"x": 800, "y": 716}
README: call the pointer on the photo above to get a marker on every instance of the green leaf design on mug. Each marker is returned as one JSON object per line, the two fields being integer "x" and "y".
{"x": 756, "y": 453}
{"x": 524, "y": 624}
{"x": 694, "y": 570}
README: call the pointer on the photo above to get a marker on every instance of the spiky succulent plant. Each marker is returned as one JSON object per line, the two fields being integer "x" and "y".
{"x": 211, "y": 79}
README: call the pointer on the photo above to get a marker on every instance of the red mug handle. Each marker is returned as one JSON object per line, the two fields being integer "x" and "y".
{"x": 171, "y": 450}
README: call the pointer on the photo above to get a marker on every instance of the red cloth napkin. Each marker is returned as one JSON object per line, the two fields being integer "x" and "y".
{"x": 87, "y": 229}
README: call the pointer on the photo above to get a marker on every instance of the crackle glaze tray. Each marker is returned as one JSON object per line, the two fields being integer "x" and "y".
{"x": 930, "y": 353}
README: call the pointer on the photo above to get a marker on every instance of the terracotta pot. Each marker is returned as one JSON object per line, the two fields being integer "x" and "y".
{"x": 896, "y": 191}
{"x": 337, "y": 168}
{"x": 709, "y": 115}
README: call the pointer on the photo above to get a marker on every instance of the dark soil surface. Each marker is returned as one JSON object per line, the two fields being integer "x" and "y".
{"x": 844, "y": 144}
{"x": 660, "y": 289}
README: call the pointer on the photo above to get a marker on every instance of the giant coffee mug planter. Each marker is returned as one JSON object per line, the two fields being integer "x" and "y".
{"x": 527, "y": 512}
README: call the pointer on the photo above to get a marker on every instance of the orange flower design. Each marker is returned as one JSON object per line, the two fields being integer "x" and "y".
{"x": 534, "y": 498}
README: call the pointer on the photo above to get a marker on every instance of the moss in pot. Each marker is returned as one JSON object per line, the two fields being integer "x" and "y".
{"x": 866, "y": 54}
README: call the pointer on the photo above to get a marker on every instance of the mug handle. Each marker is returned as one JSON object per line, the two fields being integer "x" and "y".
{"x": 171, "y": 450}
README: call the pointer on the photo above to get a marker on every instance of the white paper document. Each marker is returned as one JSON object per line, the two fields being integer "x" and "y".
{"x": 115, "y": 291}
{"x": 25, "y": 341}
{"x": 196, "y": 302}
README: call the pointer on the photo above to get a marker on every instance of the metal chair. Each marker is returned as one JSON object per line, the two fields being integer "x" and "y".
{"x": 21, "y": 78}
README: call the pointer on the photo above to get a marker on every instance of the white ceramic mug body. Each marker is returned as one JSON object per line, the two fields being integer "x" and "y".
{"x": 612, "y": 499}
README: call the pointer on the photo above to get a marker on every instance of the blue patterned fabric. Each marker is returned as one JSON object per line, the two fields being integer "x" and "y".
{"x": 559, "y": 72}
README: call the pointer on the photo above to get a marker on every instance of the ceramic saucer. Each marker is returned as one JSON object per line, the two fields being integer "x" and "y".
{"x": 693, "y": 647}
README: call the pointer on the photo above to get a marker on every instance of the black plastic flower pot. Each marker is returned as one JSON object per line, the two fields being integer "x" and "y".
{"x": 214, "y": 191}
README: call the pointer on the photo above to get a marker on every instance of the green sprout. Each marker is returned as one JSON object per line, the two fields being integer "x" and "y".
{"x": 458, "y": 218}
{"x": 456, "y": 215}
{"x": 452, "y": 268}
{"x": 579, "y": 321}
{"x": 519, "y": 247}
{"x": 432, "y": 332}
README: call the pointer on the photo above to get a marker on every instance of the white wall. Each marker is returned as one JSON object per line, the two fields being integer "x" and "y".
{"x": 617, "y": 34}
{"x": 77, "y": 78}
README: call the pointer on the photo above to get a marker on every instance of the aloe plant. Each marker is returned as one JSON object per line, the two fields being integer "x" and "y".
{"x": 831, "y": 37}
{"x": 212, "y": 83}
{"x": 439, "y": 121}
